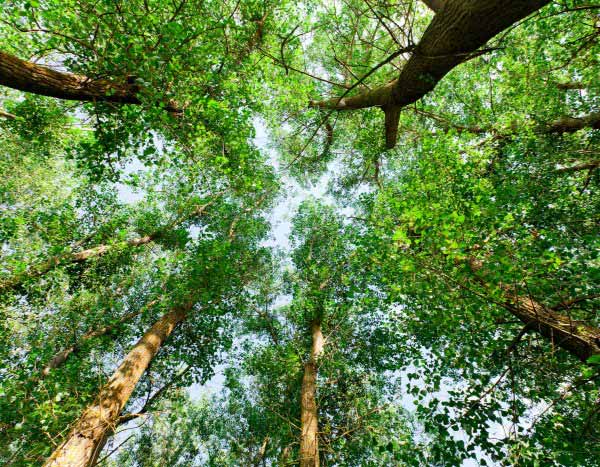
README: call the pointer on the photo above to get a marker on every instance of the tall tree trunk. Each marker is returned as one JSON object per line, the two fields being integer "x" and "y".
{"x": 309, "y": 440}
{"x": 456, "y": 32}
{"x": 88, "y": 435}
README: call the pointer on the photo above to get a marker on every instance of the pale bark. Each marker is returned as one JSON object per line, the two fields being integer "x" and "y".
{"x": 87, "y": 436}
{"x": 309, "y": 440}
{"x": 454, "y": 35}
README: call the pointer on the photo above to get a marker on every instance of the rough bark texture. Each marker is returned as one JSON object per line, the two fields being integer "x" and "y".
{"x": 456, "y": 32}
{"x": 29, "y": 77}
{"x": 309, "y": 440}
{"x": 88, "y": 435}
{"x": 38, "y": 79}
{"x": 576, "y": 337}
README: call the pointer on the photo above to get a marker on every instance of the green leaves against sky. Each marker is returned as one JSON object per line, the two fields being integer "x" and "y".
{"x": 455, "y": 277}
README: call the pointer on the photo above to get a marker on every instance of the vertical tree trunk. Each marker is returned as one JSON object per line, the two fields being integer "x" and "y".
{"x": 88, "y": 435}
{"x": 309, "y": 440}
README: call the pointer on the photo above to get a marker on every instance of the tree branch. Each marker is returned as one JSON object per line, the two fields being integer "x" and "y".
{"x": 453, "y": 36}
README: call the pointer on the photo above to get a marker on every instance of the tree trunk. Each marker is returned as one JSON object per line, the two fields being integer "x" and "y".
{"x": 309, "y": 440}
{"x": 89, "y": 433}
{"x": 456, "y": 32}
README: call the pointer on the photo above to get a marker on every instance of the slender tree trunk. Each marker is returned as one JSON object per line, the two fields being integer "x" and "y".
{"x": 89, "y": 433}
{"x": 309, "y": 440}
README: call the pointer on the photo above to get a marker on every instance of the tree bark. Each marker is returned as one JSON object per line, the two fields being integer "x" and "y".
{"x": 434, "y": 5}
{"x": 89, "y": 433}
{"x": 309, "y": 440}
{"x": 61, "y": 357}
{"x": 459, "y": 29}
{"x": 576, "y": 337}
{"x": 37, "y": 79}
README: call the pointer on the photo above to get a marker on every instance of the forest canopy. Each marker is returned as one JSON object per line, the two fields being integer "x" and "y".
{"x": 318, "y": 233}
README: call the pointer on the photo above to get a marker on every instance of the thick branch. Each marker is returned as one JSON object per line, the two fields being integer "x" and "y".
{"x": 37, "y": 79}
{"x": 573, "y": 124}
{"x": 453, "y": 36}
{"x": 576, "y": 337}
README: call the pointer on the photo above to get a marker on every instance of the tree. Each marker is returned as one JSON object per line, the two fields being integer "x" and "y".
{"x": 454, "y": 35}
{"x": 438, "y": 307}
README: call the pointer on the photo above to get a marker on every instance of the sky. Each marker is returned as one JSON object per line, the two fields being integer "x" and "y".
{"x": 293, "y": 194}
